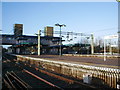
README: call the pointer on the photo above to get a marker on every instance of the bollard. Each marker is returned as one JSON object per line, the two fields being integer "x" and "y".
{"x": 87, "y": 78}
{"x": 118, "y": 84}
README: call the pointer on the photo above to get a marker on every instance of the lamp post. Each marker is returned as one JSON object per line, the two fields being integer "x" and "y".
{"x": 87, "y": 45}
{"x": 104, "y": 49}
{"x": 39, "y": 42}
{"x": 39, "y": 33}
{"x": 60, "y": 50}
{"x": 92, "y": 44}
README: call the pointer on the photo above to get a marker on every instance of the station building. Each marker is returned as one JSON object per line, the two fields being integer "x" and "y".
{"x": 27, "y": 44}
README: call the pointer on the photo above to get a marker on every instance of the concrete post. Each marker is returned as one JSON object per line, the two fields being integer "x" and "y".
{"x": 110, "y": 48}
{"x": 92, "y": 44}
{"x": 104, "y": 49}
{"x": 60, "y": 43}
{"x": 39, "y": 42}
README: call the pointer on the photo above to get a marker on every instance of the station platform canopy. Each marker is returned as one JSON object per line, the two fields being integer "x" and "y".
{"x": 77, "y": 45}
{"x": 24, "y": 44}
{"x": 57, "y": 46}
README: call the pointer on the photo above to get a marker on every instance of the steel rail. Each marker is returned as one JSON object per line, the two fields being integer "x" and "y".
{"x": 41, "y": 79}
{"x": 5, "y": 57}
{"x": 57, "y": 76}
{"x": 61, "y": 78}
{"x": 17, "y": 80}
{"x": 6, "y": 83}
{"x": 64, "y": 79}
{"x": 16, "y": 84}
{"x": 28, "y": 86}
{"x": 10, "y": 82}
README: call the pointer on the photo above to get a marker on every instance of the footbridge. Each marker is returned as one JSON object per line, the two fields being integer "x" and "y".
{"x": 8, "y": 39}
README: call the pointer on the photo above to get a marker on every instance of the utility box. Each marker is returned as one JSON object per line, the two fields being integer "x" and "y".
{"x": 87, "y": 78}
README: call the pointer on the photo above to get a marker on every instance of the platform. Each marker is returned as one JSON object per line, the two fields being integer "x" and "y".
{"x": 95, "y": 61}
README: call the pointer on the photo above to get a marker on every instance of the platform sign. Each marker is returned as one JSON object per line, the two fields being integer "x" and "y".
{"x": 111, "y": 37}
{"x": 114, "y": 45}
{"x": 105, "y": 38}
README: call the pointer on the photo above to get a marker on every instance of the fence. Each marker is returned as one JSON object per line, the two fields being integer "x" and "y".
{"x": 101, "y": 76}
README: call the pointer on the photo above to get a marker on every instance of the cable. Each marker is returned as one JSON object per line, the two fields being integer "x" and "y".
{"x": 108, "y": 29}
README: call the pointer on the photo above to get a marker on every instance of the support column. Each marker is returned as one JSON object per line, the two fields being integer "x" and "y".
{"x": 104, "y": 49}
{"x": 39, "y": 42}
{"x": 92, "y": 44}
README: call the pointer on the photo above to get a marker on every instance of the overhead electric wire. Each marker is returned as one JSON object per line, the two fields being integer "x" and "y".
{"x": 101, "y": 30}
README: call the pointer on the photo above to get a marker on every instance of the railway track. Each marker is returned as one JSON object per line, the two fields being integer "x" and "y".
{"x": 13, "y": 81}
{"x": 70, "y": 82}
{"x": 43, "y": 80}
{"x": 31, "y": 77}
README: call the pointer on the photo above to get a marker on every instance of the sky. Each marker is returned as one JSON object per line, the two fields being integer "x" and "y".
{"x": 99, "y": 18}
{"x": 58, "y": 0}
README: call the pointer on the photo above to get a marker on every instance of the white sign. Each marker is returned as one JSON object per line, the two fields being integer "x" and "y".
{"x": 114, "y": 45}
{"x": 111, "y": 36}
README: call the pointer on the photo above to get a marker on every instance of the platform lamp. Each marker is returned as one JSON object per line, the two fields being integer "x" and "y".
{"x": 60, "y": 25}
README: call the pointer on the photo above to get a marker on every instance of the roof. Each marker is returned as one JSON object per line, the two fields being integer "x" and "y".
{"x": 7, "y": 35}
{"x": 29, "y": 36}
{"x": 57, "y": 46}
{"x": 78, "y": 44}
